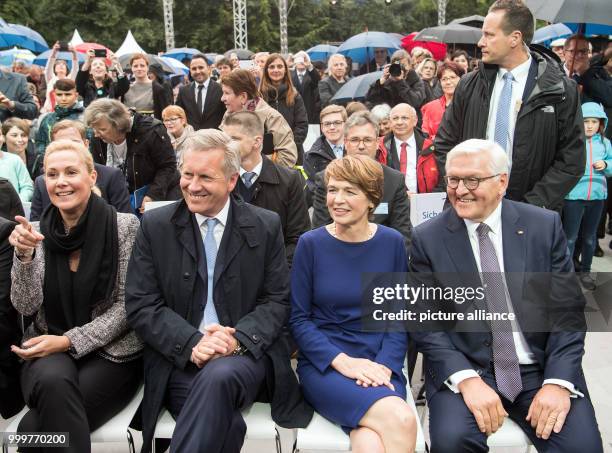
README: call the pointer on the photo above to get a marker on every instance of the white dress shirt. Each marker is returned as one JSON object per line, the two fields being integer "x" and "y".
{"x": 337, "y": 149}
{"x": 204, "y": 90}
{"x": 520, "y": 74}
{"x": 410, "y": 178}
{"x": 256, "y": 170}
{"x": 219, "y": 227}
{"x": 524, "y": 354}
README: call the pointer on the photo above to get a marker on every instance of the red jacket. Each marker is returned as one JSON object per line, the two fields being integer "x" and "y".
{"x": 432, "y": 116}
{"x": 427, "y": 169}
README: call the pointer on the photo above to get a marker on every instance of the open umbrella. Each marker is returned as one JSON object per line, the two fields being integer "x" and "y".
{"x": 471, "y": 21}
{"x": 356, "y": 88}
{"x": 22, "y": 36}
{"x": 360, "y": 48}
{"x": 176, "y": 65}
{"x": 321, "y": 52}
{"x": 572, "y": 11}
{"x": 243, "y": 54}
{"x": 550, "y": 32}
{"x": 124, "y": 61}
{"x": 590, "y": 29}
{"x": 41, "y": 60}
{"x": 437, "y": 49}
{"x": 451, "y": 33}
{"x": 8, "y": 56}
{"x": 180, "y": 53}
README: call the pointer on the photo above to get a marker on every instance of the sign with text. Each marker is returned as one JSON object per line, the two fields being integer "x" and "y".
{"x": 425, "y": 206}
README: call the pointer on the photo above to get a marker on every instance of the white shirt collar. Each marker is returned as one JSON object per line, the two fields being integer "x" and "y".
{"x": 205, "y": 84}
{"x": 493, "y": 222}
{"x": 256, "y": 170}
{"x": 409, "y": 141}
{"x": 221, "y": 215}
{"x": 519, "y": 73}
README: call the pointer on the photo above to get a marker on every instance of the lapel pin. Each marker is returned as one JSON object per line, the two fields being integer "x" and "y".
{"x": 520, "y": 232}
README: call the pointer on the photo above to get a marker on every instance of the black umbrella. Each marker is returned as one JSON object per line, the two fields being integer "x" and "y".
{"x": 356, "y": 88}
{"x": 451, "y": 33}
{"x": 471, "y": 21}
{"x": 574, "y": 11}
{"x": 242, "y": 54}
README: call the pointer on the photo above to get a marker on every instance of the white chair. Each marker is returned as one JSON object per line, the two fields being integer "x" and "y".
{"x": 322, "y": 435}
{"x": 260, "y": 425}
{"x": 114, "y": 430}
{"x": 509, "y": 435}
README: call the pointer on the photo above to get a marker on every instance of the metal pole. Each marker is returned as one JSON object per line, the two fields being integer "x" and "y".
{"x": 442, "y": 12}
{"x": 282, "y": 11}
{"x": 169, "y": 24}
{"x": 240, "y": 24}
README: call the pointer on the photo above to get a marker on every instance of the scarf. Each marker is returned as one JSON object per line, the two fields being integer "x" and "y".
{"x": 68, "y": 297}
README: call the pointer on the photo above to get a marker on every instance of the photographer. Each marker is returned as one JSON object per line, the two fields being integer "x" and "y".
{"x": 398, "y": 84}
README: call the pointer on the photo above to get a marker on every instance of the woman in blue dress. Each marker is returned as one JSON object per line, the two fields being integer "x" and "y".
{"x": 351, "y": 377}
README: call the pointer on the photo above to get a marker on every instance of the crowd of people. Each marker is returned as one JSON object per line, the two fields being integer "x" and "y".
{"x": 257, "y": 254}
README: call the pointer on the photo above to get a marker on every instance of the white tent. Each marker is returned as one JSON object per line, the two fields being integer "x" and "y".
{"x": 129, "y": 46}
{"x": 76, "y": 38}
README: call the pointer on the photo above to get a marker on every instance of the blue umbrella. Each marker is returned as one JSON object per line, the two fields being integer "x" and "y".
{"x": 176, "y": 65}
{"x": 181, "y": 53}
{"x": 356, "y": 88}
{"x": 590, "y": 29}
{"x": 551, "y": 32}
{"x": 321, "y": 52}
{"x": 42, "y": 59}
{"x": 8, "y": 56}
{"x": 22, "y": 36}
{"x": 360, "y": 48}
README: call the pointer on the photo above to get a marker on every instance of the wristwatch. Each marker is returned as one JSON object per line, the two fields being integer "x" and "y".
{"x": 240, "y": 349}
{"x": 21, "y": 255}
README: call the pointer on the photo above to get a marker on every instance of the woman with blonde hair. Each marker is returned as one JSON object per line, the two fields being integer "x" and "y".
{"x": 81, "y": 359}
{"x": 175, "y": 120}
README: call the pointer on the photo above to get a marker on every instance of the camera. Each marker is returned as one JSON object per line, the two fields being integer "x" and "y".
{"x": 395, "y": 70}
{"x": 100, "y": 53}
{"x": 63, "y": 46}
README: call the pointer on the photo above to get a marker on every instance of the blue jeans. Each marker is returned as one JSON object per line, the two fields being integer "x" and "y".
{"x": 586, "y": 213}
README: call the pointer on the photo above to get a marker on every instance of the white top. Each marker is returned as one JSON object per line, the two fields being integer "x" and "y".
{"x": 524, "y": 354}
{"x": 256, "y": 170}
{"x": 219, "y": 227}
{"x": 337, "y": 149}
{"x": 411, "y": 151}
{"x": 520, "y": 74}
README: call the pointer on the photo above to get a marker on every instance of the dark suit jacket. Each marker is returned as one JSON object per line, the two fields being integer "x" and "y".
{"x": 395, "y": 198}
{"x": 533, "y": 242}
{"x": 281, "y": 190}
{"x": 10, "y": 203}
{"x": 166, "y": 283}
{"x": 309, "y": 90}
{"x": 110, "y": 182}
{"x": 214, "y": 109}
{"x": 392, "y": 159}
{"x": 11, "y": 400}
{"x": 14, "y": 86}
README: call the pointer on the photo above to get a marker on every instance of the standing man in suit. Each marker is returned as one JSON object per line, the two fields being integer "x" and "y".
{"x": 266, "y": 184}
{"x": 208, "y": 292}
{"x": 402, "y": 149}
{"x": 305, "y": 78}
{"x": 361, "y": 137}
{"x": 201, "y": 99}
{"x": 15, "y": 98}
{"x": 521, "y": 100}
{"x": 475, "y": 379}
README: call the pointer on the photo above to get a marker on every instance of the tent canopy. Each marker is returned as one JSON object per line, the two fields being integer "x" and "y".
{"x": 129, "y": 46}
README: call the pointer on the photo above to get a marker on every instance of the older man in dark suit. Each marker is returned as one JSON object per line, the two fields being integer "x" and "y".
{"x": 15, "y": 98}
{"x": 208, "y": 291}
{"x": 361, "y": 137}
{"x": 475, "y": 378}
{"x": 201, "y": 99}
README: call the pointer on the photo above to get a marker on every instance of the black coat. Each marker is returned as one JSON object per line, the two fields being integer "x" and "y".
{"x": 166, "y": 282}
{"x": 316, "y": 159}
{"x": 411, "y": 91}
{"x": 10, "y": 203}
{"x": 295, "y": 115}
{"x": 395, "y": 198}
{"x": 11, "y": 400}
{"x": 309, "y": 90}
{"x": 548, "y": 155}
{"x": 214, "y": 109}
{"x": 110, "y": 181}
{"x": 88, "y": 91}
{"x": 281, "y": 190}
{"x": 162, "y": 98}
{"x": 150, "y": 158}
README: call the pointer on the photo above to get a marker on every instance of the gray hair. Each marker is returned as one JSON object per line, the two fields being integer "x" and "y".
{"x": 112, "y": 111}
{"x": 400, "y": 55}
{"x": 381, "y": 112}
{"x": 361, "y": 118}
{"x": 331, "y": 59}
{"x": 498, "y": 159}
{"x": 211, "y": 139}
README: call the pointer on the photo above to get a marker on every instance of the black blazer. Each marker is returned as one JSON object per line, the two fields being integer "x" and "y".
{"x": 214, "y": 109}
{"x": 11, "y": 400}
{"x": 110, "y": 181}
{"x": 10, "y": 203}
{"x": 281, "y": 190}
{"x": 309, "y": 90}
{"x": 394, "y": 201}
{"x": 166, "y": 282}
{"x": 389, "y": 141}
{"x": 162, "y": 98}
{"x": 533, "y": 242}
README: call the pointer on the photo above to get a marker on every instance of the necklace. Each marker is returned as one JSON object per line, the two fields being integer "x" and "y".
{"x": 334, "y": 234}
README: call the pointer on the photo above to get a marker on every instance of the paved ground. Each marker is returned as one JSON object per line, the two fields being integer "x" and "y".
{"x": 597, "y": 365}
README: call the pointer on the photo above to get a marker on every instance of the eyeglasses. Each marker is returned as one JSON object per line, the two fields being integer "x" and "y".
{"x": 448, "y": 79}
{"x": 172, "y": 120}
{"x": 581, "y": 52}
{"x": 470, "y": 183}
{"x": 367, "y": 141}
{"x": 328, "y": 124}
